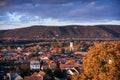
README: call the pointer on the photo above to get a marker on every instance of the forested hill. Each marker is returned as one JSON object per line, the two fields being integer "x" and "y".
{"x": 76, "y": 31}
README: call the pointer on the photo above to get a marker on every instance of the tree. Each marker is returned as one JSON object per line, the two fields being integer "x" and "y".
{"x": 57, "y": 70}
{"x": 56, "y": 44}
{"x": 25, "y": 69}
{"x": 75, "y": 76}
{"x": 48, "y": 74}
{"x": 102, "y": 62}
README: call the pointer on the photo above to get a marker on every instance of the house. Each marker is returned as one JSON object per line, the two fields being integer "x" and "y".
{"x": 14, "y": 76}
{"x": 34, "y": 65}
{"x": 51, "y": 64}
{"x": 35, "y": 76}
{"x": 71, "y": 71}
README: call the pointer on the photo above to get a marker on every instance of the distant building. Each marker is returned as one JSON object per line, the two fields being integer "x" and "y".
{"x": 34, "y": 65}
{"x": 71, "y": 46}
{"x": 14, "y": 76}
{"x": 6, "y": 52}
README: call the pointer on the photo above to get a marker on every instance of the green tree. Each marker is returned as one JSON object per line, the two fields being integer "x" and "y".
{"x": 102, "y": 62}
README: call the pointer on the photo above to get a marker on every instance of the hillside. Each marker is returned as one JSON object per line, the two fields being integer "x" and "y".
{"x": 36, "y": 32}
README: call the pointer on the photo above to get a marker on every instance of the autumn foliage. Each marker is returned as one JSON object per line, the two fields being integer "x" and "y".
{"x": 102, "y": 62}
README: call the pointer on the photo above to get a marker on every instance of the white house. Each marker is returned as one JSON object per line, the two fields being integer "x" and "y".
{"x": 34, "y": 65}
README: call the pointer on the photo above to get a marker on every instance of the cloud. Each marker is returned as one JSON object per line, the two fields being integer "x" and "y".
{"x": 51, "y": 12}
{"x": 56, "y": 22}
{"x": 21, "y": 2}
{"x": 54, "y": 1}
{"x": 93, "y": 9}
{"x": 2, "y": 3}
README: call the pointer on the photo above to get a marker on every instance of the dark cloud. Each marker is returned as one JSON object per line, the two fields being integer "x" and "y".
{"x": 16, "y": 2}
{"x": 3, "y": 3}
{"x": 26, "y": 11}
{"x": 44, "y": 8}
{"x": 54, "y": 1}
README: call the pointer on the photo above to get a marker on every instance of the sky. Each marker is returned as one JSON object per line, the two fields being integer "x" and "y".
{"x": 24, "y": 13}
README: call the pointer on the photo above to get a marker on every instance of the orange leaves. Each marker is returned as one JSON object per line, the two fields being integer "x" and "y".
{"x": 102, "y": 60}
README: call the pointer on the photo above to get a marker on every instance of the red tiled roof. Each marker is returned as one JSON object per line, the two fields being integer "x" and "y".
{"x": 70, "y": 65}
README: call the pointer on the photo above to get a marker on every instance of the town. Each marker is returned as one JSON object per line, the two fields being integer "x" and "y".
{"x": 30, "y": 62}
{"x": 42, "y": 62}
